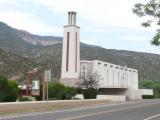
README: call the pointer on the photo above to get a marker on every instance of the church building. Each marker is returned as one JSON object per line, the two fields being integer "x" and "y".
{"x": 114, "y": 79}
{"x": 71, "y": 52}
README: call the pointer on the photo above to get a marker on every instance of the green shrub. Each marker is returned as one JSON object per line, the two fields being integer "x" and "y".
{"x": 23, "y": 99}
{"x": 8, "y": 90}
{"x": 52, "y": 99}
{"x": 56, "y": 90}
{"x": 70, "y": 92}
{"x": 3, "y": 88}
{"x": 90, "y": 93}
{"x": 148, "y": 96}
{"x": 12, "y": 92}
{"x": 79, "y": 90}
{"x": 156, "y": 90}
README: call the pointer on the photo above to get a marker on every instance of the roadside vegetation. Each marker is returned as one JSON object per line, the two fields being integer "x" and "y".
{"x": 150, "y": 84}
{"x": 8, "y": 90}
{"x": 58, "y": 91}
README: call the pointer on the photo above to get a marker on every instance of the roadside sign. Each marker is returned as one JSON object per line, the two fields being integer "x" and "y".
{"x": 47, "y": 75}
{"x": 35, "y": 88}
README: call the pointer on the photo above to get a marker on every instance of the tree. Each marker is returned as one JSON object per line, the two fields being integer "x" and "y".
{"x": 146, "y": 84}
{"x": 89, "y": 80}
{"x": 150, "y": 84}
{"x": 156, "y": 89}
{"x": 150, "y": 9}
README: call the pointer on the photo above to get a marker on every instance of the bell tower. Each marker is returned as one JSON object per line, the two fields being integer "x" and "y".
{"x": 71, "y": 52}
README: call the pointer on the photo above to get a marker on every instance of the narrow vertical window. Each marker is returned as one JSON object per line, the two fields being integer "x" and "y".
{"x": 127, "y": 80}
{"x": 118, "y": 80}
{"x": 131, "y": 81}
{"x": 84, "y": 70}
{"x": 113, "y": 78}
{"x": 107, "y": 79}
{"x": 123, "y": 80}
{"x": 76, "y": 55}
{"x": 67, "y": 60}
{"x": 71, "y": 18}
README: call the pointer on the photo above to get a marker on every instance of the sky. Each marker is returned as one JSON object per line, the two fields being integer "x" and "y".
{"x": 107, "y": 23}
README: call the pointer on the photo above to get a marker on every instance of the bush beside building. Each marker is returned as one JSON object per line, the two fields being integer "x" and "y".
{"x": 8, "y": 90}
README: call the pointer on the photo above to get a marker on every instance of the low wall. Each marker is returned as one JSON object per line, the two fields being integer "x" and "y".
{"x": 79, "y": 96}
{"x": 112, "y": 97}
{"x": 20, "y": 107}
{"x": 147, "y": 91}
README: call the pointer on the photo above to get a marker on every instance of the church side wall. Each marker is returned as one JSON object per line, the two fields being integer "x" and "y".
{"x": 114, "y": 76}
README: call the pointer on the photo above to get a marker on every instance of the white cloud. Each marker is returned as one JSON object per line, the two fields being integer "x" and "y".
{"x": 105, "y": 12}
{"x": 133, "y": 38}
{"x": 96, "y": 18}
{"x": 90, "y": 40}
{"x": 149, "y": 49}
{"x": 29, "y": 22}
{"x": 99, "y": 14}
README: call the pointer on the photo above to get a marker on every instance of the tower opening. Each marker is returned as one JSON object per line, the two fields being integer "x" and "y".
{"x": 72, "y": 18}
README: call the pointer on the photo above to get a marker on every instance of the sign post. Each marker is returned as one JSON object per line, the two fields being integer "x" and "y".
{"x": 47, "y": 78}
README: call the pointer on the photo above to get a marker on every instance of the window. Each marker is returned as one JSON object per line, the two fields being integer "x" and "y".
{"x": 99, "y": 63}
{"x": 67, "y": 59}
{"x": 84, "y": 67}
{"x": 76, "y": 55}
{"x": 105, "y": 64}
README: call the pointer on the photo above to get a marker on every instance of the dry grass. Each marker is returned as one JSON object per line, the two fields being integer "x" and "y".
{"x": 30, "y": 107}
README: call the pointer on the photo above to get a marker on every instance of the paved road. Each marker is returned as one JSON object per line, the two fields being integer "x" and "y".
{"x": 135, "y": 110}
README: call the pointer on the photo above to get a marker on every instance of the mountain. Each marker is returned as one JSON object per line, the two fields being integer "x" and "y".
{"x": 45, "y": 52}
{"x": 9, "y": 40}
{"x": 14, "y": 66}
{"x": 147, "y": 64}
{"x": 22, "y": 42}
{"x": 38, "y": 40}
